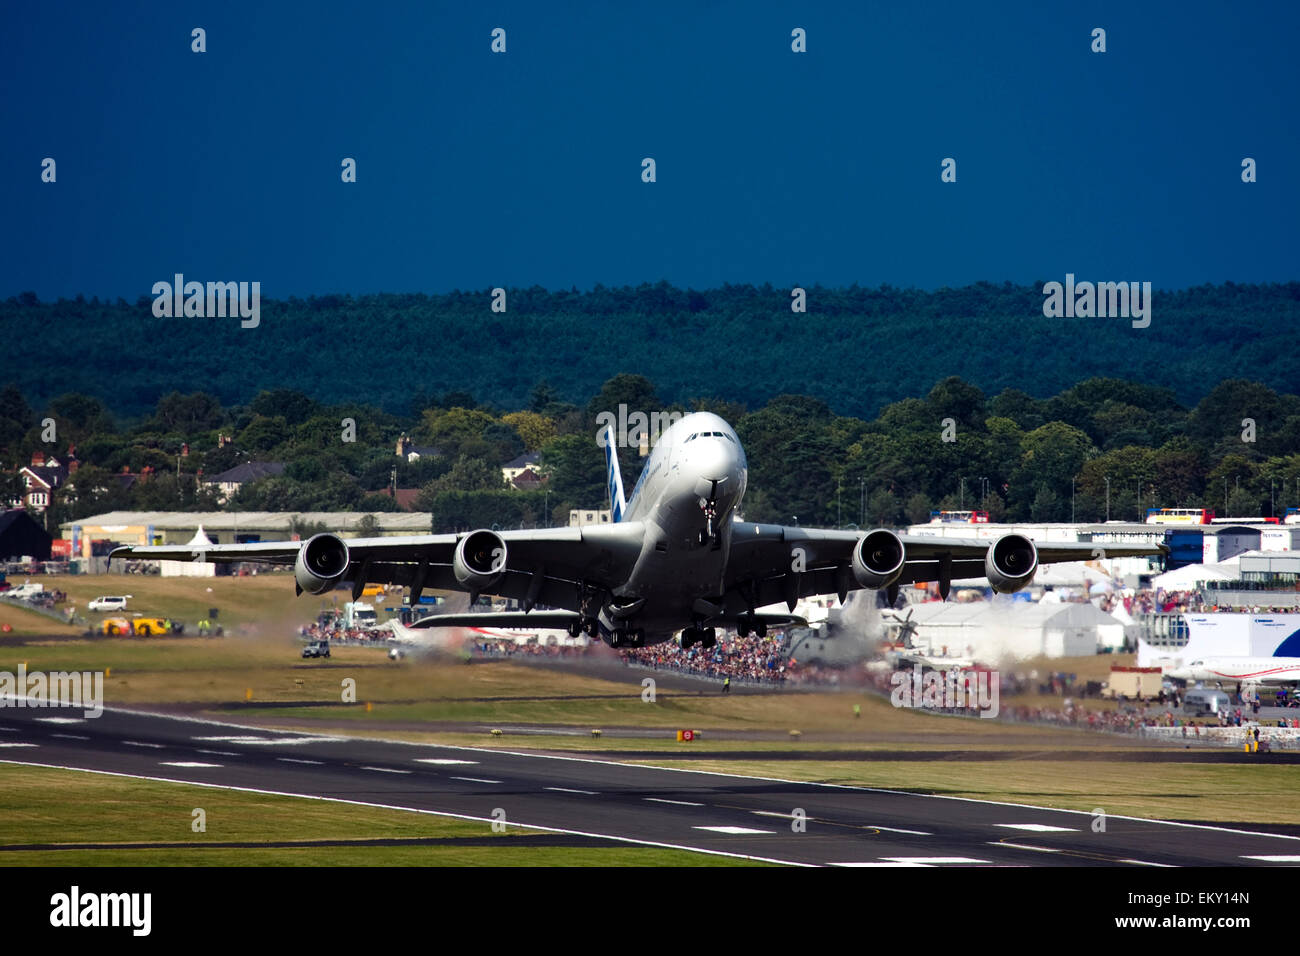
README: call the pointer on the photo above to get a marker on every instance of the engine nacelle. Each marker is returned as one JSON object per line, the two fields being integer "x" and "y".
{"x": 1010, "y": 563}
{"x": 321, "y": 563}
{"x": 479, "y": 561}
{"x": 878, "y": 559}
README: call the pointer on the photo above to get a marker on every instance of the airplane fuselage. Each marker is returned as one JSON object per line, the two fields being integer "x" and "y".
{"x": 687, "y": 497}
{"x": 1240, "y": 670}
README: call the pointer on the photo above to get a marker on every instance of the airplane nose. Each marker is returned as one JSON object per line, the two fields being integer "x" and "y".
{"x": 715, "y": 460}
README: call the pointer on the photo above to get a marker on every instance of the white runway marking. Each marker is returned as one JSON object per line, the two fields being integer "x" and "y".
{"x": 188, "y": 763}
{"x": 592, "y": 793}
{"x": 887, "y": 863}
{"x": 442, "y": 761}
{"x": 679, "y": 803}
{"x": 218, "y": 753}
{"x": 475, "y": 780}
{"x": 1168, "y": 866}
{"x": 1024, "y": 846}
{"x": 71, "y": 736}
{"x": 387, "y": 770}
{"x": 733, "y": 830}
{"x": 61, "y": 720}
{"x": 1274, "y": 859}
{"x": 296, "y": 760}
{"x": 933, "y": 860}
{"x": 137, "y": 743}
{"x": 877, "y": 826}
{"x": 1036, "y": 827}
{"x": 17, "y": 745}
{"x": 266, "y": 741}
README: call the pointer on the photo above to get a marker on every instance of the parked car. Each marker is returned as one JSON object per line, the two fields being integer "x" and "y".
{"x": 109, "y": 603}
{"x": 317, "y": 649}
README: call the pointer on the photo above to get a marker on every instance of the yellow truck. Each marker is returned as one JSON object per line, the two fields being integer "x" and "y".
{"x": 140, "y": 626}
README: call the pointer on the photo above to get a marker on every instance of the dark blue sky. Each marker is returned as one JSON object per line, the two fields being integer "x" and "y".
{"x": 477, "y": 170}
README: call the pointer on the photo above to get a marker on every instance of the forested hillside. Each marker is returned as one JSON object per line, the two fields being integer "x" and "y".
{"x": 855, "y": 349}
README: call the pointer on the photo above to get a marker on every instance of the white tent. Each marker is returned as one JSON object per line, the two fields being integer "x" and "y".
{"x": 190, "y": 569}
{"x": 994, "y": 630}
{"x": 1188, "y": 577}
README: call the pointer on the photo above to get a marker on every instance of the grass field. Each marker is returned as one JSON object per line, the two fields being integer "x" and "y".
{"x": 43, "y": 807}
{"x": 259, "y": 677}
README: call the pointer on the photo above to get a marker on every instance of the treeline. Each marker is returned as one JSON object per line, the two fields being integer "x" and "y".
{"x": 1102, "y": 448}
{"x": 855, "y": 349}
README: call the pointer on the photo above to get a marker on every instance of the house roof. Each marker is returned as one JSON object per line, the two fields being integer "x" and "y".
{"x": 248, "y": 471}
{"x": 526, "y": 460}
{"x": 51, "y": 476}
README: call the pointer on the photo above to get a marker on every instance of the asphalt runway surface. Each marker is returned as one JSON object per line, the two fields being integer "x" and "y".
{"x": 594, "y": 801}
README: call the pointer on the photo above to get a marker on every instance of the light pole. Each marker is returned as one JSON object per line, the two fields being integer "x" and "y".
{"x": 1108, "y": 497}
{"x": 1071, "y": 501}
{"x": 961, "y": 494}
{"x": 862, "y": 502}
{"x": 839, "y": 515}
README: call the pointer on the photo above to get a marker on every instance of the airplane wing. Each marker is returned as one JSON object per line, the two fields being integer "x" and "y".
{"x": 771, "y": 564}
{"x": 543, "y": 566}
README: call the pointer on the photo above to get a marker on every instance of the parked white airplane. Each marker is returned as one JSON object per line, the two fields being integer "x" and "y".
{"x": 1240, "y": 670}
{"x": 674, "y": 557}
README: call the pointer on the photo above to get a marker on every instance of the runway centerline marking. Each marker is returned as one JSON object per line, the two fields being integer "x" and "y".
{"x": 680, "y": 803}
{"x": 218, "y": 753}
{"x": 71, "y": 736}
{"x": 61, "y": 720}
{"x": 1025, "y": 846}
{"x": 387, "y": 770}
{"x": 298, "y": 760}
{"x": 732, "y": 830}
{"x": 188, "y": 763}
{"x": 476, "y": 779}
{"x": 140, "y": 743}
{"x": 443, "y": 761}
{"x": 1036, "y": 827}
{"x": 591, "y": 793}
{"x": 16, "y": 744}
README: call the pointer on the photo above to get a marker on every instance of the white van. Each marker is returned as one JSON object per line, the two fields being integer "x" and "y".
{"x": 1201, "y": 702}
{"x": 108, "y": 603}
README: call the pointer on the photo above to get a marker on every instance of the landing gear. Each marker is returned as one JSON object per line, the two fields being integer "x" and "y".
{"x": 709, "y": 533}
{"x": 746, "y": 626}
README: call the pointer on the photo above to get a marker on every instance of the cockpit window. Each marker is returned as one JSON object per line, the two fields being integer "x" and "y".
{"x": 692, "y": 438}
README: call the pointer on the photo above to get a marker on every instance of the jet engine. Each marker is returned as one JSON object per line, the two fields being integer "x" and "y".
{"x": 479, "y": 561}
{"x": 878, "y": 559}
{"x": 321, "y": 563}
{"x": 1010, "y": 563}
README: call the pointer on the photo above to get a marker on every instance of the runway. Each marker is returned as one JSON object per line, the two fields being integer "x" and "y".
{"x": 597, "y": 800}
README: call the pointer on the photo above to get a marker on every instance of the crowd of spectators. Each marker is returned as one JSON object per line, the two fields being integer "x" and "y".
{"x": 1195, "y": 601}
{"x": 329, "y": 626}
{"x": 755, "y": 660}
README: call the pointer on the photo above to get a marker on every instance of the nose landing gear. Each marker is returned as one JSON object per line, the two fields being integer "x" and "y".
{"x": 709, "y": 533}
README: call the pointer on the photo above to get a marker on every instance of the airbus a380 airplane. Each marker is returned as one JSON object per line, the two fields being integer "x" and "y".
{"x": 674, "y": 558}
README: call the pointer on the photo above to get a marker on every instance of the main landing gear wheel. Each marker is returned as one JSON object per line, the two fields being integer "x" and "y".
{"x": 708, "y": 637}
